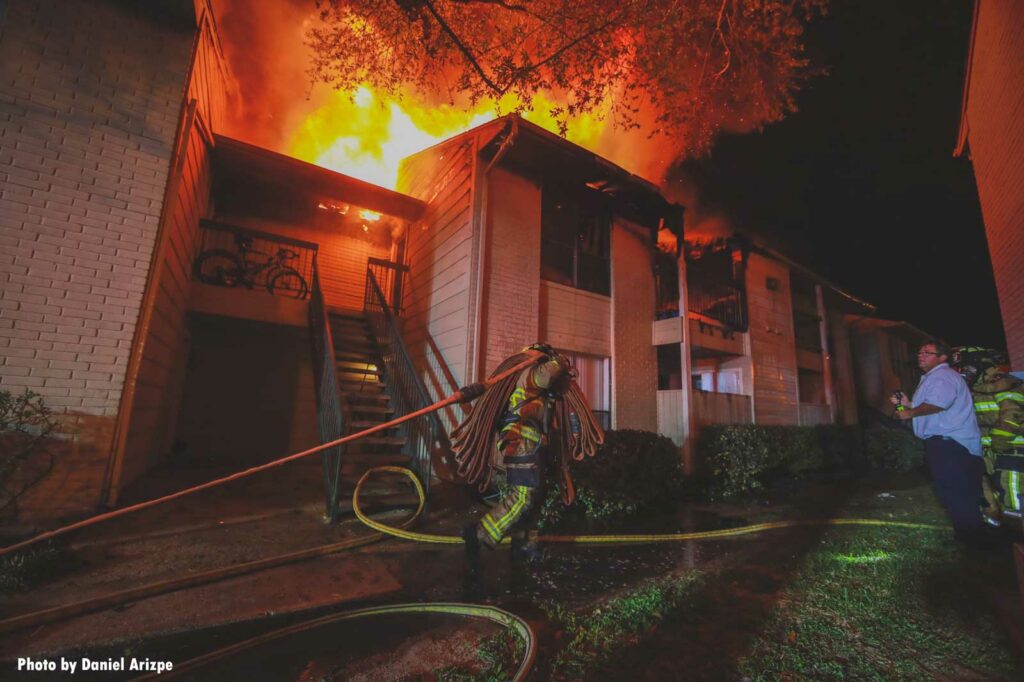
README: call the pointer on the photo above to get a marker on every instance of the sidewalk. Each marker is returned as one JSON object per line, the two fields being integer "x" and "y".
{"x": 269, "y": 514}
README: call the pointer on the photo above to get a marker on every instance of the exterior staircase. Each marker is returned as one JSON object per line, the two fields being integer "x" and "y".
{"x": 364, "y": 400}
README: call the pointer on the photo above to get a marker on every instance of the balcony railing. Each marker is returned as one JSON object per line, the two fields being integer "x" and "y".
{"x": 232, "y": 256}
{"x": 426, "y": 434}
{"x": 330, "y": 416}
{"x": 721, "y": 302}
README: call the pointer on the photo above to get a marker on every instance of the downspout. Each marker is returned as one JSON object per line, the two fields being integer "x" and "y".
{"x": 478, "y": 314}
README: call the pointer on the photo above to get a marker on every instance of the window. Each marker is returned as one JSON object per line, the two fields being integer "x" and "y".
{"x": 593, "y": 374}
{"x": 575, "y": 241}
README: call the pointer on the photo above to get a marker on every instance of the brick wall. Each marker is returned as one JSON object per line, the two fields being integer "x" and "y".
{"x": 634, "y": 357}
{"x": 512, "y": 269}
{"x": 995, "y": 130}
{"x": 90, "y": 95}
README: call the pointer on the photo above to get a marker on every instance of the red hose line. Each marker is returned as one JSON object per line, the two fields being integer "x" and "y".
{"x": 453, "y": 398}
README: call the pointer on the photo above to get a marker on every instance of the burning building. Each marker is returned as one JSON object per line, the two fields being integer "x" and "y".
{"x": 176, "y": 293}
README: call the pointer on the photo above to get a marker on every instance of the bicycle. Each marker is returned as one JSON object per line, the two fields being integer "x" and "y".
{"x": 224, "y": 268}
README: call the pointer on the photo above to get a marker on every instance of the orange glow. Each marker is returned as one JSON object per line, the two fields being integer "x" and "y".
{"x": 366, "y": 135}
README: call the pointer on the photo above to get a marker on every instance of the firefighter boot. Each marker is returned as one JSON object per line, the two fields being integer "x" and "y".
{"x": 472, "y": 548}
{"x": 525, "y": 551}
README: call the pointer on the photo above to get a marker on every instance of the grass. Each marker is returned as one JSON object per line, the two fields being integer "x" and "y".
{"x": 840, "y": 603}
{"x": 881, "y": 604}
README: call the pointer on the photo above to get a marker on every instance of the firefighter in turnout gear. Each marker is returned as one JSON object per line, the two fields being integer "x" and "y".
{"x": 999, "y": 407}
{"x": 527, "y": 426}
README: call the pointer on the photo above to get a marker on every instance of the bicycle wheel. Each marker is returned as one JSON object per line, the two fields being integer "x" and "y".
{"x": 289, "y": 283}
{"x": 219, "y": 267}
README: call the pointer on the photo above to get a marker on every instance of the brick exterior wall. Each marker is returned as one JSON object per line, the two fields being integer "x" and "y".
{"x": 89, "y": 103}
{"x": 512, "y": 268}
{"x": 995, "y": 130}
{"x": 634, "y": 357}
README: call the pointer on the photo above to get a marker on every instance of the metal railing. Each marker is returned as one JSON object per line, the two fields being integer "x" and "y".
{"x": 402, "y": 382}
{"x": 330, "y": 415}
{"x": 389, "y": 278}
{"x": 233, "y": 256}
{"x": 721, "y": 302}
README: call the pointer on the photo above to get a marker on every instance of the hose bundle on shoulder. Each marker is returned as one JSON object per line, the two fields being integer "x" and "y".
{"x": 473, "y": 441}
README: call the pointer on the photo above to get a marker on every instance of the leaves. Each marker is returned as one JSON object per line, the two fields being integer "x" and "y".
{"x": 687, "y": 69}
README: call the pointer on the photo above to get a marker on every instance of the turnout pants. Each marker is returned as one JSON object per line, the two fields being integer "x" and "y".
{"x": 517, "y": 512}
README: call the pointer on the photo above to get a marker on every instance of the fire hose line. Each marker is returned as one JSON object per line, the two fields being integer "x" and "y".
{"x": 500, "y": 616}
{"x": 488, "y": 612}
{"x": 458, "y": 396}
{"x": 606, "y": 539}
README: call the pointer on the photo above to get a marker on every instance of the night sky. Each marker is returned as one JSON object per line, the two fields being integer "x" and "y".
{"x": 860, "y": 185}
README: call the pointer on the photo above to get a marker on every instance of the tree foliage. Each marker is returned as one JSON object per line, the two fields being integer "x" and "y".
{"x": 689, "y": 68}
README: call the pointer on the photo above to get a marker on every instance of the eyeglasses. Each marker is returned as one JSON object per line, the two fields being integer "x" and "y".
{"x": 926, "y": 352}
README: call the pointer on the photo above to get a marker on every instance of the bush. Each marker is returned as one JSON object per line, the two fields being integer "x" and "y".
{"x": 633, "y": 472}
{"x": 22, "y": 570}
{"x": 25, "y": 425}
{"x": 738, "y": 458}
{"x": 892, "y": 448}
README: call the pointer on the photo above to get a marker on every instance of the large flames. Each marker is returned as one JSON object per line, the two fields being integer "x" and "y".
{"x": 366, "y": 135}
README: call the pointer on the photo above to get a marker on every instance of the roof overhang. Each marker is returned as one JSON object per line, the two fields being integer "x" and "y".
{"x": 264, "y": 173}
{"x": 544, "y": 156}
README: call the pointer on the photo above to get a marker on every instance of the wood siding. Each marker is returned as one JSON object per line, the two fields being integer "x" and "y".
{"x": 164, "y": 351}
{"x": 436, "y": 310}
{"x": 720, "y": 408}
{"x": 772, "y": 342}
{"x": 576, "y": 320}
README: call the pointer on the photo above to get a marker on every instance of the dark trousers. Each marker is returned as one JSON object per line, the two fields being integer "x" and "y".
{"x": 956, "y": 475}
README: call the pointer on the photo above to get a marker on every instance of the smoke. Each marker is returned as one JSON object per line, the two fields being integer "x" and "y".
{"x": 703, "y": 222}
{"x": 264, "y": 43}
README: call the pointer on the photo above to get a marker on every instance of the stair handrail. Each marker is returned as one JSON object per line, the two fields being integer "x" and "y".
{"x": 331, "y": 415}
{"x": 405, "y": 387}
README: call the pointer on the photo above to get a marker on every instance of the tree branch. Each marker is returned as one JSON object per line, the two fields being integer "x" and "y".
{"x": 463, "y": 48}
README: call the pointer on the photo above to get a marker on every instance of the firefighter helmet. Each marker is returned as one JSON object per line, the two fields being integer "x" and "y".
{"x": 973, "y": 361}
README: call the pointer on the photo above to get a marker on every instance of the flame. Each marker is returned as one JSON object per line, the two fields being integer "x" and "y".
{"x": 366, "y": 135}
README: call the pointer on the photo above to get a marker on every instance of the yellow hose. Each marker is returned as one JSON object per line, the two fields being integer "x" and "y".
{"x": 492, "y": 613}
{"x": 606, "y": 539}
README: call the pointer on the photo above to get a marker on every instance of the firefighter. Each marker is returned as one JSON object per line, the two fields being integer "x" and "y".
{"x": 999, "y": 407}
{"x": 526, "y": 426}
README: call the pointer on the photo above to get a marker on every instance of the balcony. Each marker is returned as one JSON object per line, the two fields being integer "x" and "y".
{"x": 252, "y": 275}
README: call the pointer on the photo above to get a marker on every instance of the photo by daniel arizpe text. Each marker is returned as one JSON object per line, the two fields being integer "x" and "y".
{"x": 92, "y": 665}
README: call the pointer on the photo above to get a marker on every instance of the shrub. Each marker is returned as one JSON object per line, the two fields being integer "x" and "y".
{"x": 892, "y": 448}
{"x": 21, "y": 570}
{"x": 738, "y": 458}
{"x": 25, "y": 425}
{"x": 634, "y": 471}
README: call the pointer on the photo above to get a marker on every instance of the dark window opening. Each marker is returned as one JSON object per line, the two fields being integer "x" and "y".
{"x": 575, "y": 241}
{"x": 670, "y": 367}
{"x": 716, "y": 281}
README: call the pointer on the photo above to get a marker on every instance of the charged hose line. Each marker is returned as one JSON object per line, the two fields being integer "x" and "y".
{"x": 196, "y": 580}
{"x": 491, "y": 613}
{"x": 611, "y": 539}
{"x": 461, "y": 395}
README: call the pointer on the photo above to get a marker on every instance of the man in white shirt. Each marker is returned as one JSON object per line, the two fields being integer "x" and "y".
{"x": 942, "y": 411}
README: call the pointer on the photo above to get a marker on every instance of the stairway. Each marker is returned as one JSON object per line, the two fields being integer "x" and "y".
{"x": 364, "y": 402}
